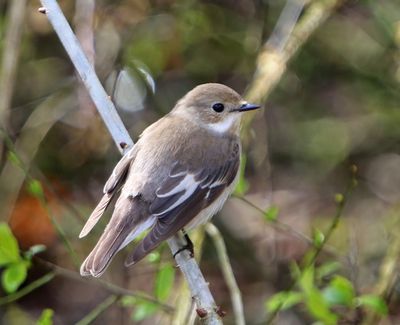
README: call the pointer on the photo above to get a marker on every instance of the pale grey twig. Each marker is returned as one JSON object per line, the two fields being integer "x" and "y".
{"x": 85, "y": 70}
{"x": 286, "y": 22}
{"x": 198, "y": 286}
{"x": 206, "y": 307}
{"x": 10, "y": 55}
{"x": 227, "y": 271}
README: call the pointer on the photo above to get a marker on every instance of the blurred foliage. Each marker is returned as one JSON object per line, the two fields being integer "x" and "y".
{"x": 14, "y": 264}
{"x": 321, "y": 293}
{"x": 142, "y": 308}
{"x": 337, "y": 105}
{"x": 46, "y": 318}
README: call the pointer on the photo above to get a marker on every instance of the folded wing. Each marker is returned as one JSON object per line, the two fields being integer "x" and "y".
{"x": 117, "y": 177}
{"x": 181, "y": 197}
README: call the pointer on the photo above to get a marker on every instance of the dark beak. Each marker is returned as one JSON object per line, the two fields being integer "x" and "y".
{"x": 246, "y": 107}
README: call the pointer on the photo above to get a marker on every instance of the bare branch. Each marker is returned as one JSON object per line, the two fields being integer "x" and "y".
{"x": 271, "y": 63}
{"x": 198, "y": 285}
{"x": 284, "y": 27}
{"x": 110, "y": 287}
{"x": 10, "y": 58}
{"x": 85, "y": 70}
{"x": 227, "y": 271}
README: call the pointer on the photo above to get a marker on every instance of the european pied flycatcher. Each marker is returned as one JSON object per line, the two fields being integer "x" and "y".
{"x": 177, "y": 176}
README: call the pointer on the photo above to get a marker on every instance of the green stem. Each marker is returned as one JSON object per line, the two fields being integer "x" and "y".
{"x": 328, "y": 234}
{"x": 100, "y": 308}
{"x": 42, "y": 198}
{"x": 28, "y": 289}
{"x": 110, "y": 287}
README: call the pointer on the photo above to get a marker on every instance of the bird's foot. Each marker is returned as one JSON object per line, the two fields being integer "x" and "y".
{"x": 189, "y": 246}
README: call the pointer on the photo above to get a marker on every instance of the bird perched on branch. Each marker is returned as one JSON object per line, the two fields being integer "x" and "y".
{"x": 177, "y": 176}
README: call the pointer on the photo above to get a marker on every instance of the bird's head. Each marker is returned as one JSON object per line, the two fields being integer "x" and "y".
{"x": 214, "y": 106}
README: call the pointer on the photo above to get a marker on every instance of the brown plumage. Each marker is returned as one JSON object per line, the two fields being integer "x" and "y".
{"x": 178, "y": 175}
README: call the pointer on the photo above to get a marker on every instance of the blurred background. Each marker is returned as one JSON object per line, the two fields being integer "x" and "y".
{"x": 336, "y": 106}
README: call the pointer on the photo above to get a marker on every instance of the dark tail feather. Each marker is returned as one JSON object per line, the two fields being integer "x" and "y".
{"x": 107, "y": 246}
{"x": 129, "y": 220}
{"x": 96, "y": 214}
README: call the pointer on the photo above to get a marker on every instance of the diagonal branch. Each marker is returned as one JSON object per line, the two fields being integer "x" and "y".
{"x": 10, "y": 56}
{"x": 198, "y": 286}
{"x": 227, "y": 271}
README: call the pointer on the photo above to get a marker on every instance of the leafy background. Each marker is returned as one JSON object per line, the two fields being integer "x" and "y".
{"x": 331, "y": 122}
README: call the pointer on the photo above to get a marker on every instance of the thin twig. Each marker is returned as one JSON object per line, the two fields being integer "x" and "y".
{"x": 271, "y": 64}
{"x": 28, "y": 289}
{"x": 60, "y": 231}
{"x": 283, "y": 227}
{"x": 30, "y": 136}
{"x": 227, "y": 271}
{"x": 184, "y": 314}
{"x": 85, "y": 70}
{"x": 278, "y": 224}
{"x": 341, "y": 203}
{"x": 284, "y": 27}
{"x": 198, "y": 285}
{"x": 99, "y": 309}
{"x": 110, "y": 287}
{"x": 10, "y": 56}
{"x": 42, "y": 198}
{"x": 33, "y": 172}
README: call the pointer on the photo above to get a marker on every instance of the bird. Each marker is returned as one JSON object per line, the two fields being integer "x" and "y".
{"x": 176, "y": 177}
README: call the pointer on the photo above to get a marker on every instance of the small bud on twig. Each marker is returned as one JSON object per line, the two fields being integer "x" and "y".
{"x": 221, "y": 313}
{"x": 42, "y": 10}
{"x": 201, "y": 312}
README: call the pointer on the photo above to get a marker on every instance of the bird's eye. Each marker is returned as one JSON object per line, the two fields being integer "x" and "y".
{"x": 218, "y": 107}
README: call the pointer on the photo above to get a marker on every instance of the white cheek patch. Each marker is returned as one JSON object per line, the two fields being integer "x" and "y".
{"x": 223, "y": 126}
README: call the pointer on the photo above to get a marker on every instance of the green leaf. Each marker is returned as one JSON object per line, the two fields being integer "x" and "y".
{"x": 46, "y": 318}
{"x": 283, "y": 300}
{"x": 306, "y": 280}
{"x": 13, "y": 276}
{"x": 9, "y": 252}
{"x": 144, "y": 310}
{"x": 318, "y": 307}
{"x": 327, "y": 269}
{"x": 339, "y": 292}
{"x": 242, "y": 185}
{"x": 271, "y": 214}
{"x": 164, "y": 281}
{"x": 374, "y": 303}
{"x": 35, "y": 188}
{"x": 318, "y": 237}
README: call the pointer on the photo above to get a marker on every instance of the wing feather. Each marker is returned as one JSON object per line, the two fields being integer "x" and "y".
{"x": 181, "y": 197}
{"x": 117, "y": 177}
